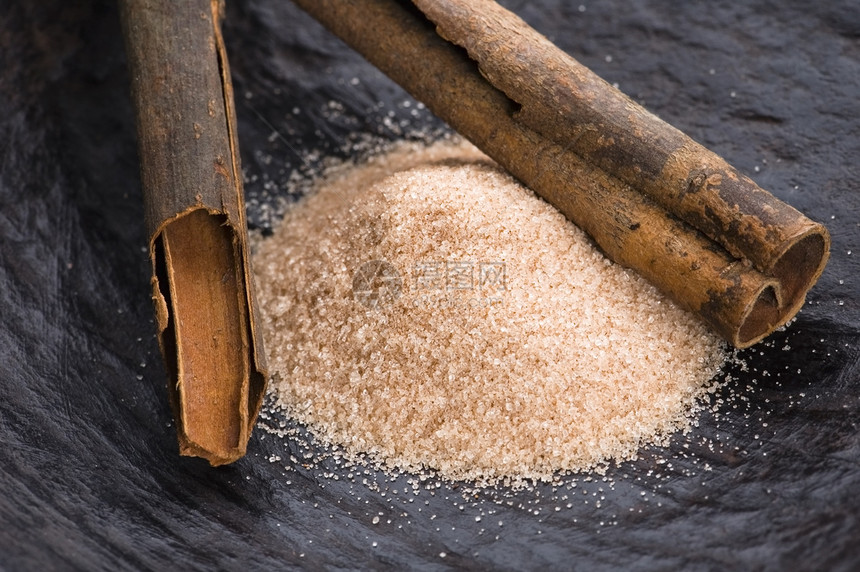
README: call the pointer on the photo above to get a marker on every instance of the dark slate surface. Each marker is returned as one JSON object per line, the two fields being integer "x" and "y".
{"x": 89, "y": 474}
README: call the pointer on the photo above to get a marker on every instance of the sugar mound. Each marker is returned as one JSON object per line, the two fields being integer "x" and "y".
{"x": 427, "y": 309}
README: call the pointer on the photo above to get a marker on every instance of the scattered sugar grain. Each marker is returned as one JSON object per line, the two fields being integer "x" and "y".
{"x": 575, "y": 362}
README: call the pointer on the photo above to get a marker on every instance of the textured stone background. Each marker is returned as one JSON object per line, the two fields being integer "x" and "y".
{"x": 89, "y": 474}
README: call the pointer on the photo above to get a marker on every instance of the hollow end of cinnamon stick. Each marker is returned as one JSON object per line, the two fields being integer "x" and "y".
{"x": 759, "y": 319}
{"x": 201, "y": 304}
{"x": 800, "y": 264}
{"x": 796, "y": 270}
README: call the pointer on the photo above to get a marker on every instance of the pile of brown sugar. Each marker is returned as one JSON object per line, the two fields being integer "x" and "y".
{"x": 428, "y": 310}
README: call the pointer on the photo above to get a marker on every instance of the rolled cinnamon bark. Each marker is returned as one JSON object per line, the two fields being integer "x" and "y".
{"x": 568, "y": 103}
{"x": 201, "y": 281}
{"x": 742, "y": 303}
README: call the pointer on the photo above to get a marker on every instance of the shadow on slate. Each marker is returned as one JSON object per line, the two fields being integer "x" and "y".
{"x": 88, "y": 468}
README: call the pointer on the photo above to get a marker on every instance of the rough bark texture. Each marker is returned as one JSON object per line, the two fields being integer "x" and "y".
{"x": 742, "y": 304}
{"x": 195, "y": 215}
{"x": 568, "y": 103}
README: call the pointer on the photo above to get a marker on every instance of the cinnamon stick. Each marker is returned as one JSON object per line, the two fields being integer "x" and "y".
{"x": 581, "y": 146}
{"x": 568, "y": 103}
{"x": 194, "y": 208}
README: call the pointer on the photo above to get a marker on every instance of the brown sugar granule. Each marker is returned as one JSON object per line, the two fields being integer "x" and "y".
{"x": 427, "y": 309}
